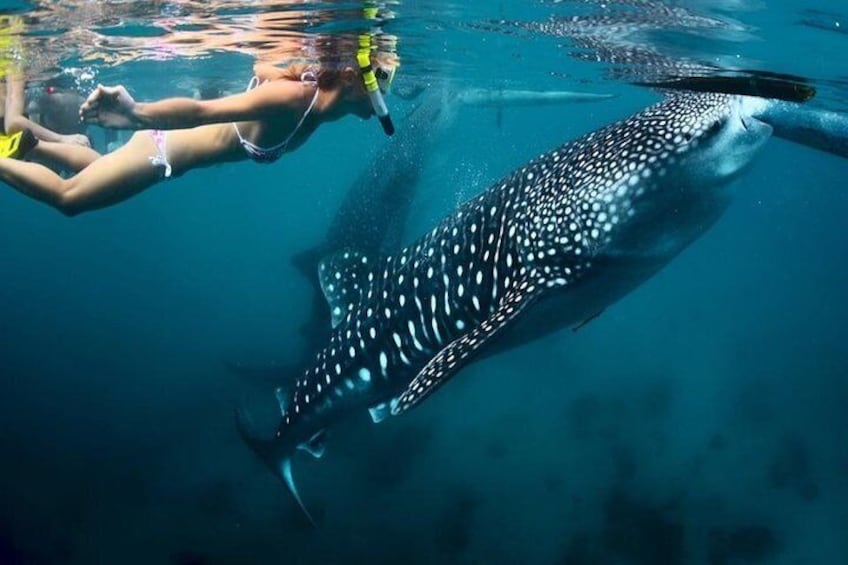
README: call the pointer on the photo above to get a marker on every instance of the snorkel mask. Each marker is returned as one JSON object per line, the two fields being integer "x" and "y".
{"x": 385, "y": 78}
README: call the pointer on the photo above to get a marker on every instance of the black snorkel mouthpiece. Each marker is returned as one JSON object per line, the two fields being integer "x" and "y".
{"x": 388, "y": 125}
{"x": 386, "y": 122}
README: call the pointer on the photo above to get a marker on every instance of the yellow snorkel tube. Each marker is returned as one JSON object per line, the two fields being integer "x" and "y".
{"x": 372, "y": 86}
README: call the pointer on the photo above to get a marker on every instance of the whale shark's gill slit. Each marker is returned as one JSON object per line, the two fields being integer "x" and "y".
{"x": 423, "y": 319}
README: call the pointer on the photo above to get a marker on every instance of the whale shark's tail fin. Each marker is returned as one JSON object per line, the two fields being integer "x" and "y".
{"x": 271, "y": 452}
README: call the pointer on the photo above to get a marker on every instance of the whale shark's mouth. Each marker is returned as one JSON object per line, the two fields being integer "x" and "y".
{"x": 760, "y": 131}
{"x": 743, "y": 142}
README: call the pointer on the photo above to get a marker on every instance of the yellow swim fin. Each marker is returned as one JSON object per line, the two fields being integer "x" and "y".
{"x": 17, "y": 145}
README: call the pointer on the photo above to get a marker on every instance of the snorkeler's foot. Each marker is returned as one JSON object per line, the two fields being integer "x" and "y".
{"x": 17, "y": 145}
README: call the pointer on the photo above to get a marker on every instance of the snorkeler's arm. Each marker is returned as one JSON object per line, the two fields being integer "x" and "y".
{"x": 114, "y": 107}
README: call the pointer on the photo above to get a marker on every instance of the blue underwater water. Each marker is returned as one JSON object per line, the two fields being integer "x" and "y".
{"x": 701, "y": 419}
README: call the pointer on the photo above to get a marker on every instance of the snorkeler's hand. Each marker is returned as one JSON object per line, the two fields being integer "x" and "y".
{"x": 110, "y": 107}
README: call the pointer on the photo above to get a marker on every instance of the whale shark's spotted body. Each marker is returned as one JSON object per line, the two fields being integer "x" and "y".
{"x": 375, "y": 209}
{"x": 576, "y": 228}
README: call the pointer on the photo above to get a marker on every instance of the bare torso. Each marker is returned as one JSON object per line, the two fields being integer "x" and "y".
{"x": 211, "y": 144}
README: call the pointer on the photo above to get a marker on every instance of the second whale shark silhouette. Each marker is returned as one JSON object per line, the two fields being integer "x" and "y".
{"x": 547, "y": 247}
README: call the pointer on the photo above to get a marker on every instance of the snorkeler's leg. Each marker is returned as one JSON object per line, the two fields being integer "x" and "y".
{"x": 13, "y": 117}
{"x": 33, "y": 180}
{"x": 112, "y": 178}
{"x": 64, "y": 155}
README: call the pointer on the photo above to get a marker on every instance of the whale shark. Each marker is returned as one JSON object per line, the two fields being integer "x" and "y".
{"x": 375, "y": 208}
{"x": 549, "y": 246}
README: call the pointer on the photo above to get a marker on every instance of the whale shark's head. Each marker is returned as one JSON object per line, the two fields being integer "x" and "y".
{"x": 717, "y": 137}
{"x": 646, "y": 185}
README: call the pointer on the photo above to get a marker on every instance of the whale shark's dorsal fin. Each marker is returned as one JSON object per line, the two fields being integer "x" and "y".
{"x": 343, "y": 276}
{"x": 458, "y": 352}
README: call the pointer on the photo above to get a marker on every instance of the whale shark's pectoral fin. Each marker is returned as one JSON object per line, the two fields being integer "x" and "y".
{"x": 457, "y": 353}
{"x": 315, "y": 446}
{"x": 380, "y": 412}
{"x": 343, "y": 277}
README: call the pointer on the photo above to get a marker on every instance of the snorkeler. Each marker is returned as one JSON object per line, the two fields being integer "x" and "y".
{"x": 276, "y": 115}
